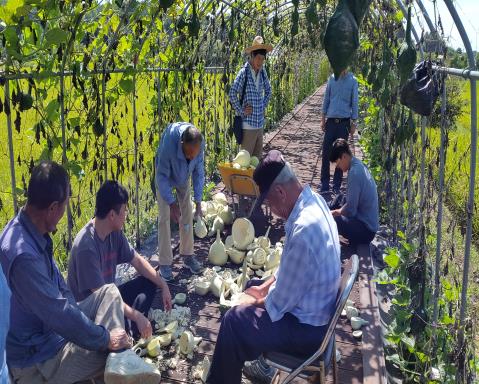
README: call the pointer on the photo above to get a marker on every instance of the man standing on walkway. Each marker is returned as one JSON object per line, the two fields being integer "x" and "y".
{"x": 51, "y": 338}
{"x": 252, "y": 87}
{"x": 357, "y": 216}
{"x": 180, "y": 156}
{"x": 338, "y": 120}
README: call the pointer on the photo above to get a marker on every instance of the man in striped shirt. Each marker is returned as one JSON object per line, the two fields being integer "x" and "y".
{"x": 290, "y": 311}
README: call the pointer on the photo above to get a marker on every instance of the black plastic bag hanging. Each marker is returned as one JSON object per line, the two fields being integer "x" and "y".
{"x": 421, "y": 90}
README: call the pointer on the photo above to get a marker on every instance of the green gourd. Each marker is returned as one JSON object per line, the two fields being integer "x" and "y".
{"x": 341, "y": 39}
{"x": 358, "y": 8}
{"x": 407, "y": 53}
{"x": 294, "y": 22}
{"x": 25, "y": 101}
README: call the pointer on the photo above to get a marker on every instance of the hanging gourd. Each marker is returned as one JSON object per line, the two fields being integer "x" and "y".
{"x": 311, "y": 14}
{"x": 165, "y": 4}
{"x": 276, "y": 24}
{"x": 358, "y": 9}
{"x": 217, "y": 254}
{"x": 98, "y": 128}
{"x": 25, "y": 101}
{"x": 295, "y": 21}
{"x": 194, "y": 24}
{"x": 405, "y": 129}
{"x": 341, "y": 39}
{"x": 407, "y": 53}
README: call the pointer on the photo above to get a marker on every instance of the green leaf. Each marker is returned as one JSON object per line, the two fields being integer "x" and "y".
{"x": 126, "y": 85}
{"x": 409, "y": 342}
{"x": 52, "y": 109}
{"x": 392, "y": 258}
{"x": 75, "y": 169}
{"x": 56, "y": 36}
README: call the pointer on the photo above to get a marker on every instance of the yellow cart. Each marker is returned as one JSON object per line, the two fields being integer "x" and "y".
{"x": 239, "y": 182}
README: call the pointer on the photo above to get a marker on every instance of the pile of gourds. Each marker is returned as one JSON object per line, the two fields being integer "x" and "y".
{"x": 216, "y": 214}
{"x": 243, "y": 160}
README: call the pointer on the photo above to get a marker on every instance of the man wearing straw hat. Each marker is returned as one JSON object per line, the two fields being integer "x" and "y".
{"x": 249, "y": 95}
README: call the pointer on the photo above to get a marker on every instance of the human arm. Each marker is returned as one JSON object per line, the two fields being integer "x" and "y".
{"x": 38, "y": 293}
{"x": 235, "y": 90}
{"x": 198, "y": 177}
{"x": 267, "y": 89}
{"x": 145, "y": 269}
{"x": 353, "y": 191}
{"x": 293, "y": 277}
{"x": 354, "y": 101}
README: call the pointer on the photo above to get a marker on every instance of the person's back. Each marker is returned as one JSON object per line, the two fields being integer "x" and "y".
{"x": 4, "y": 325}
{"x": 367, "y": 207}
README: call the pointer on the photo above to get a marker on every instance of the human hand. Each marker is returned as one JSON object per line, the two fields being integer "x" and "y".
{"x": 118, "y": 339}
{"x": 175, "y": 212}
{"x": 248, "y": 110}
{"x": 256, "y": 291}
{"x": 352, "y": 127}
{"x": 336, "y": 212}
{"x": 166, "y": 298}
{"x": 143, "y": 325}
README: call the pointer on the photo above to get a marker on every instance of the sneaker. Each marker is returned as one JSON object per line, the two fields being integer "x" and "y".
{"x": 193, "y": 264}
{"x": 258, "y": 371}
{"x": 166, "y": 272}
{"x": 127, "y": 368}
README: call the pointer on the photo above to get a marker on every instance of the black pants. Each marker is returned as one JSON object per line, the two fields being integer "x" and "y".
{"x": 334, "y": 130}
{"x": 138, "y": 294}
{"x": 354, "y": 230}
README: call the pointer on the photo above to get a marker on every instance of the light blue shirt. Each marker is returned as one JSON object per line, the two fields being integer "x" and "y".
{"x": 257, "y": 94}
{"x": 4, "y": 325}
{"x": 361, "y": 196}
{"x": 308, "y": 277}
{"x": 172, "y": 168}
{"x": 341, "y": 97}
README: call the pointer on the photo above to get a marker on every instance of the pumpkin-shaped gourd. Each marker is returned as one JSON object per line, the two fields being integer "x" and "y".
{"x": 235, "y": 255}
{"x": 259, "y": 256}
{"x": 220, "y": 198}
{"x": 243, "y": 233}
{"x": 263, "y": 241}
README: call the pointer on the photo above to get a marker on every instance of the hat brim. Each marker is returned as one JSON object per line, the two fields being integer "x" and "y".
{"x": 266, "y": 47}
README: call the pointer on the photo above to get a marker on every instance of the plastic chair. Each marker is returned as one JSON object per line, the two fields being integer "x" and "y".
{"x": 314, "y": 368}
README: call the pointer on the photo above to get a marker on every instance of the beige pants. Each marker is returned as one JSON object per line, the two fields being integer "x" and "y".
{"x": 72, "y": 363}
{"x": 165, "y": 253}
{"x": 253, "y": 142}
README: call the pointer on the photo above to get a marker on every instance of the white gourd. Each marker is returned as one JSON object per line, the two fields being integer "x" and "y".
{"x": 220, "y": 198}
{"x": 229, "y": 242}
{"x": 217, "y": 286}
{"x": 218, "y": 225}
{"x": 243, "y": 158}
{"x": 272, "y": 260}
{"x": 117, "y": 364}
{"x": 236, "y": 166}
{"x": 259, "y": 256}
{"x": 204, "y": 208}
{"x": 210, "y": 208}
{"x": 243, "y": 233}
{"x": 235, "y": 255}
{"x": 226, "y": 214}
{"x": 263, "y": 241}
{"x": 200, "y": 228}
{"x": 217, "y": 254}
{"x": 188, "y": 342}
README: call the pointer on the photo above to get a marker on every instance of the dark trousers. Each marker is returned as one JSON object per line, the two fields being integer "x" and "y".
{"x": 334, "y": 130}
{"x": 354, "y": 230}
{"x": 247, "y": 331}
{"x": 138, "y": 294}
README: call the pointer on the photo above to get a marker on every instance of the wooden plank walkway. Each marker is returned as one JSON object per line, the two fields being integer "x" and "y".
{"x": 299, "y": 137}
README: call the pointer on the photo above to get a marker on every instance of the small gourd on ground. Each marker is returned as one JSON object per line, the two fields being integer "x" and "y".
{"x": 217, "y": 254}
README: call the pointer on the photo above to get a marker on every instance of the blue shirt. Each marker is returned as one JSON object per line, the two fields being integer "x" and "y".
{"x": 361, "y": 196}
{"x": 341, "y": 97}
{"x": 308, "y": 277}
{"x": 172, "y": 168}
{"x": 257, "y": 97}
{"x": 4, "y": 324}
{"x": 43, "y": 313}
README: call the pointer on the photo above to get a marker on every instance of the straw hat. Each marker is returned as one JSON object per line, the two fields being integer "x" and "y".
{"x": 258, "y": 43}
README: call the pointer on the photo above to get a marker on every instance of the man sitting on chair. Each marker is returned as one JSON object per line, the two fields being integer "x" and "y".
{"x": 357, "y": 214}
{"x": 289, "y": 312}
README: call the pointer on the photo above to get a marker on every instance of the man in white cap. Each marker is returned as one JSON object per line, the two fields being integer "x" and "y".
{"x": 249, "y": 95}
